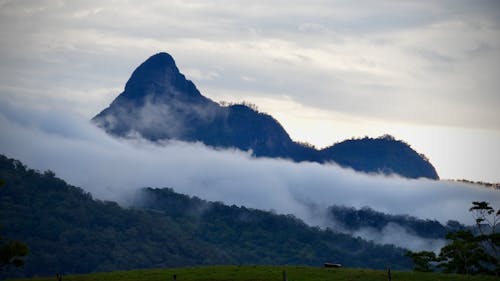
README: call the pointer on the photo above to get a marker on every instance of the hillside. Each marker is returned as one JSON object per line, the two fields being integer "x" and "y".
{"x": 159, "y": 103}
{"x": 68, "y": 231}
{"x": 384, "y": 155}
{"x": 352, "y": 219}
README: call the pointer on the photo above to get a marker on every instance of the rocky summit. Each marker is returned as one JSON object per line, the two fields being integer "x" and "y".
{"x": 159, "y": 103}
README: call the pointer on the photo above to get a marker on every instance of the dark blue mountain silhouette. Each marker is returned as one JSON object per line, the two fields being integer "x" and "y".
{"x": 159, "y": 103}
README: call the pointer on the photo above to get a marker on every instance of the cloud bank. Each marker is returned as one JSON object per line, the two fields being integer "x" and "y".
{"x": 397, "y": 235}
{"x": 113, "y": 169}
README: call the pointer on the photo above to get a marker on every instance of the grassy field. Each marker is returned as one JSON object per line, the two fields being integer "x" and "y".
{"x": 262, "y": 273}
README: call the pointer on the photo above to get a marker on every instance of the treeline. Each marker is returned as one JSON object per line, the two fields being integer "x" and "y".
{"x": 471, "y": 251}
{"x": 353, "y": 219}
{"x": 384, "y": 155}
{"x": 481, "y": 183}
{"x": 67, "y": 231}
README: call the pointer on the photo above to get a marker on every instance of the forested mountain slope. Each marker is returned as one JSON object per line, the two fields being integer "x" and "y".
{"x": 70, "y": 232}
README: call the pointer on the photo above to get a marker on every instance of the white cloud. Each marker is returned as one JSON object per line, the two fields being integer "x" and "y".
{"x": 397, "y": 235}
{"x": 197, "y": 74}
{"x": 110, "y": 168}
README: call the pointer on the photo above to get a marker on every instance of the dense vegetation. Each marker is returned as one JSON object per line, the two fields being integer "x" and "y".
{"x": 481, "y": 183}
{"x": 12, "y": 252}
{"x": 70, "y": 232}
{"x": 384, "y": 155}
{"x": 475, "y": 251}
{"x": 159, "y": 103}
{"x": 353, "y": 219}
{"x": 266, "y": 273}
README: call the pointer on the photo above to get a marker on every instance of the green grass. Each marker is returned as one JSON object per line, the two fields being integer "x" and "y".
{"x": 262, "y": 273}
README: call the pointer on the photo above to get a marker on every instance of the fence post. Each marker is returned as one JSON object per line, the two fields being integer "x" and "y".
{"x": 175, "y": 277}
{"x": 285, "y": 278}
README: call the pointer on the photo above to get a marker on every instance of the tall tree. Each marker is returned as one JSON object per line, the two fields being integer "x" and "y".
{"x": 424, "y": 261}
{"x": 464, "y": 255}
{"x": 487, "y": 220}
{"x": 12, "y": 253}
{"x": 467, "y": 252}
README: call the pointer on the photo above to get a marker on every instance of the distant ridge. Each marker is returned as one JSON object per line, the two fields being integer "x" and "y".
{"x": 70, "y": 232}
{"x": 159, "y": 103}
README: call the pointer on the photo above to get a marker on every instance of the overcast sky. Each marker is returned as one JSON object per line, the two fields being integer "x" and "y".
{"x": 425, "y": 71}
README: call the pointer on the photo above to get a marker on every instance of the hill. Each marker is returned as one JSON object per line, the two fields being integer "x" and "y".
{"x": 159, "y": 103}
{"x": 383, "y": 155}
{"x": 351, "y": 220}
{"x": 265, "y": 273}
{"x": 70, "y": 232}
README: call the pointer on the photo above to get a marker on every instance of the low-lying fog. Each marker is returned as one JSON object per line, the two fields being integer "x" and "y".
{"x": 112, "y": 169}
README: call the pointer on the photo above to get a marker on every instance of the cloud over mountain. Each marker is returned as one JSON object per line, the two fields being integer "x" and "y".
{"x": 160, "y": 104}
{"x": 111, "y": 168}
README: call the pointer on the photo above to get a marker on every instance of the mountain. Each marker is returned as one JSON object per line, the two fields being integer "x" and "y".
{"x": 68, "y": 231}
{"x": 159, "y": 103}
{"x": 384, "y": 154}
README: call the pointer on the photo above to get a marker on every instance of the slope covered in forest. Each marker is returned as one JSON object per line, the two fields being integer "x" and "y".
{"x": 68, "y": 231}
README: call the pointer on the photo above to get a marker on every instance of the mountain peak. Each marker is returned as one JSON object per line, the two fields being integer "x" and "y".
{"x": 161, "y": 56}
{"x": 158, "y": 76}
{"x": 160, "y": 103}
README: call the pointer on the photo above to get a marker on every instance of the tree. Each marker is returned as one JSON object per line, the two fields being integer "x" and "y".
{"x": 464, "y": 255}
{"x": 424, "y": 261}
{"x": 12, "y": 252}
{"x": 468, "y": 252}
{"x": 487, "y": 220}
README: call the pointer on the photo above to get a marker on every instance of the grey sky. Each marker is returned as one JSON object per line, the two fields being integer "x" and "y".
{"x": 347, "y": 67}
